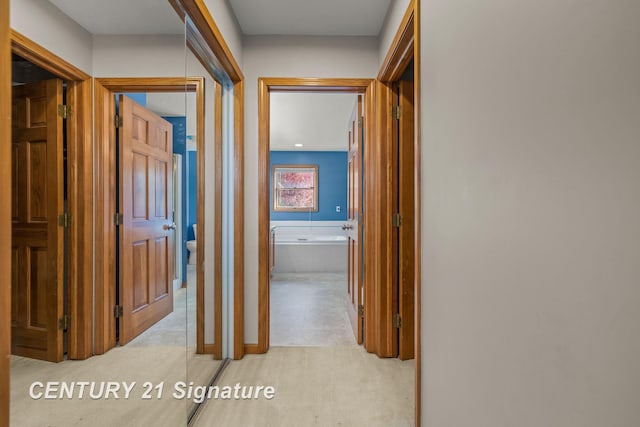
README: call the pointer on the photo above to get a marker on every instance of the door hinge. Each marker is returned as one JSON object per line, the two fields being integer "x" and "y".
{"x": 396, "y": 112}
{"x": 396, "y": 220}
{"x": 360, "y": 121}
{"x": 118, "y": 311}
{"x": 361, "y": 310}
{"x": 64, "y": 322}
{"x": 397, "y": 321}
{"x": 117, "y": 121}
{"x": 64, "y": 220}
{"x": 360, "y": 217}
{"x": 118, "y": 219}
{"x": 64, "y": 111}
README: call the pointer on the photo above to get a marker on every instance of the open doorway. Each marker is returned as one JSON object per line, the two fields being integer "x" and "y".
{"x": 359, "y": 93}
{"x": 311, "y": 193}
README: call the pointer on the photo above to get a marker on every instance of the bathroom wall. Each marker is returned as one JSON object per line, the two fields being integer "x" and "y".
{"x": 332, "y": 184}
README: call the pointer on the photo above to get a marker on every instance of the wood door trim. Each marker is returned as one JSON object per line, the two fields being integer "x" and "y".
{"x": 404, "y": 47}
{"x": 209, "y": 31}
{"x": 266, "y": 85}
{"x": 80, "y": 184}
{"x": 5, "y": 212}
{"x": 105, "y": 193}
{"x": 201, "y": 230}
{"x": 43, "y": 58}
{"x": 80, "y": 172}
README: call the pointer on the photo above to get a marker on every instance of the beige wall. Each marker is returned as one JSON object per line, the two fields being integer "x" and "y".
{"x": 287, "y": 57}
{"x": 46, "y": 25}
{"x": 228, "y": 25}
{"x": 396, "y": 12}
{"x": 531, "y": 213}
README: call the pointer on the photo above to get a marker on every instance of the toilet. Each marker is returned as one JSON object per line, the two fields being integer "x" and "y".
{"x": 191, "y": 246}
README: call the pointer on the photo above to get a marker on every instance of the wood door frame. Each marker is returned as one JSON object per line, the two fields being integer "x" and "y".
{"x": 405, "y": 47}
{"x": 205, "y": 32}
{"x": 106, "y": 172}
{"x": 5, "y": 212}
{"x": 280, "y": 84}
{"x": 80, "y": 195}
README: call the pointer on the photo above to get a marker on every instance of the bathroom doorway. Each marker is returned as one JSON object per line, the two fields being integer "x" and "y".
{"x": 308, "y": 298}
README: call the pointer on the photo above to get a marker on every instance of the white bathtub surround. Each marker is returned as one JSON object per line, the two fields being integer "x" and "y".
{"x": 309, "y": 246}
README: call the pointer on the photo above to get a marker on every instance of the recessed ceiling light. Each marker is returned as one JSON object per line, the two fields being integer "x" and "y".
{"x": 298, "y": 145}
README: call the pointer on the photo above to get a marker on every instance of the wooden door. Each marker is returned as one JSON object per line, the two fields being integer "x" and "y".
{"x": 406, "y": 230}
{"x": 354, "y": 225}
{"x": 146, "y": 240}
{"x": 37, "y": 257}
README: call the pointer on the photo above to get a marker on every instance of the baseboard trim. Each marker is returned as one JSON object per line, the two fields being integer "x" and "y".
{"x": 251, "y": 349}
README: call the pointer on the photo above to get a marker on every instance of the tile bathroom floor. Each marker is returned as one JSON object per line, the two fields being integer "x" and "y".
{"x": 309, "y": 309}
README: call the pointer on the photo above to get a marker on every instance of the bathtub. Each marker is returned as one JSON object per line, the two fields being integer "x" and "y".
{"x": 309, "y": 239}
{"x": 304, "y": 249}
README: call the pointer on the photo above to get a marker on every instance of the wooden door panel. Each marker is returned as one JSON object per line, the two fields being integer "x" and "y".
{"x": 15, "y": 271}
{"x": 406, "y": 233}
{"x": 162, "y": 260}
{"x": 146, "y": 240}
{"x": 161, "y": 200}
{"x": 15, "y": 181}
{"x": 37, "y": 200}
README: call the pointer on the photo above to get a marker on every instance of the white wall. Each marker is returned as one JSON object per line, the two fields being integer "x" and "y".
{"x": 228, "y": 25}
{"x": 531, "y": 213}
{"x": 46, "y": 25}
{"x": 396, "y": 12}
{"x": 278, "y": 56}
{"x": 164, "y": 56}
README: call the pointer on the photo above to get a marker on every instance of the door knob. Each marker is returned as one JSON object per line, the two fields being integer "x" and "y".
{"x": 171, "y": 226}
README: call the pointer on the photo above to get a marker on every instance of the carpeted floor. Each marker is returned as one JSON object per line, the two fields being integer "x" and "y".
{"x": 159, "y": 355}
{"x": 317, "y": 386}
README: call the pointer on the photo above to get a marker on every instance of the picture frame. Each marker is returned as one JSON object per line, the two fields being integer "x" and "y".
{"x": 295, "y": 188}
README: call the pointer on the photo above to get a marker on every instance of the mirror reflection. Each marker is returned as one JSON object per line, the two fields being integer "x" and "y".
{"x": 148, "y": 323}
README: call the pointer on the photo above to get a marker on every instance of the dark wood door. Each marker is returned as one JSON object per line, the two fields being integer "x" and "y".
{"x": 354, "y": 224}
{"x": 146, "y": 233}
{"x": 406, "y": 231}
{"x": 37, "y": 239}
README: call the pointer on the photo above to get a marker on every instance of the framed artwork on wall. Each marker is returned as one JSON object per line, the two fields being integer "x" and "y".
{"x": 295, "y": 188}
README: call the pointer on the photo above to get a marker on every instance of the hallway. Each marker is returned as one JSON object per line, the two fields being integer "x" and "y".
{"x": 317, "y": 386}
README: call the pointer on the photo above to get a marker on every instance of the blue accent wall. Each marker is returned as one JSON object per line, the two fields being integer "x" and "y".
{"x": 180, "y": 147}
{"x": 192, "y": 185}
{"x": 332, "y": 184}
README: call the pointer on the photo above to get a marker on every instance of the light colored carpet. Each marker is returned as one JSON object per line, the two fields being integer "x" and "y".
{"x": 317, "y": 386}
{"x": 158, "y": 355}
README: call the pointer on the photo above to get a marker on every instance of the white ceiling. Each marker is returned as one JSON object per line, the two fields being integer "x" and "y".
{"x": 320, "y": 121}
{"x": 123, "y": 16}
{"x": 311, "y": 17}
